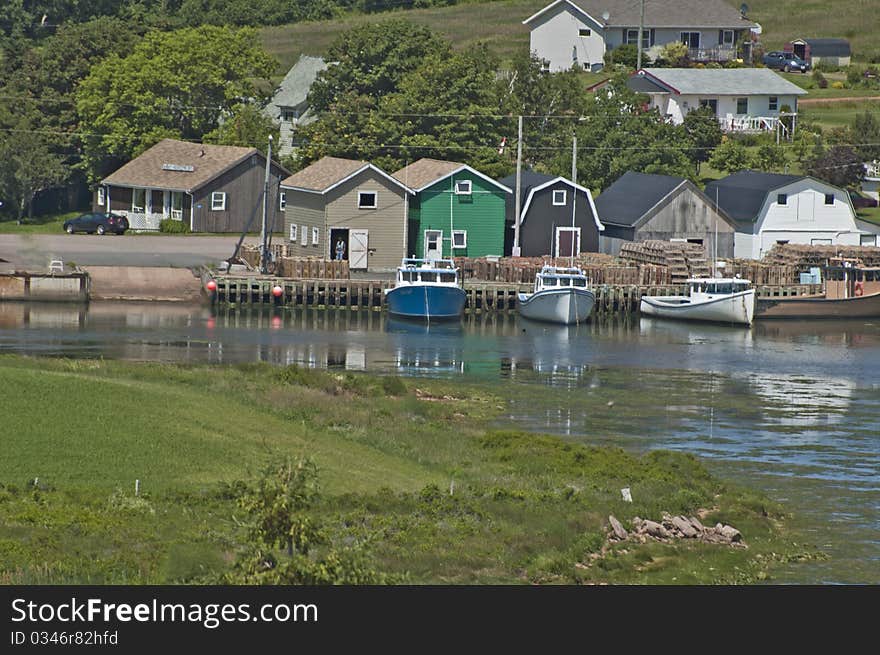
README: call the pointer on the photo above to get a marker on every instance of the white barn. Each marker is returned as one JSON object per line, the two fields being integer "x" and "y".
{"x": 770, "y": 208}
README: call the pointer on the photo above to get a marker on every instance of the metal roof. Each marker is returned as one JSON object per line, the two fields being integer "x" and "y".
{"x": 632, "y": 195}
{"x": 658, "y": 13}
{"x": 742, "y": 194}
{"x": 722, "y": 81}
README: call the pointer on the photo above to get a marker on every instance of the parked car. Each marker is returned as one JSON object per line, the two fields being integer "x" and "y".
{"x": 785, "y": 61}
{"x": 861, "y": 202}
{"x": 97, "y": 222}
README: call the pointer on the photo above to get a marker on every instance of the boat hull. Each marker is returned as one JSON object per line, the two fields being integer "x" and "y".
{"x": 737, "y": 308}
{"x": 566, "y": 306}
{"x": 818, "y": 307}
{"x": 426, "y": 302}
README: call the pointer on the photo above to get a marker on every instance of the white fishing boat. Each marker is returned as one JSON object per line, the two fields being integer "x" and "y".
{"x": 718, "y": 300}
{"x": 426, "y": 290}
{"x": 561, "y": 295}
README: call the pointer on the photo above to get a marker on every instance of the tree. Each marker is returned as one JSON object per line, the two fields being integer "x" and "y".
{"x": 675, "y": 53}
{"x": 372, "y": 59}
{"x": 246, "y": 125}
{"x": 866, "y": 133}
{"x": 769, "y": 157}
{"x": 839, "y": 165}
{"x": 173, "y": 84}
{"x": 27, "y": 166}
{"x": 731, "y": 156}
{"x": 704, "y": 132}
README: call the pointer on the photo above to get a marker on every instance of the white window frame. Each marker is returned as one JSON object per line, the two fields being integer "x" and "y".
{"x": 724, "y": 40}
{"x": 102, "y": 196}
{"x": 463, "y": 235}
{"x": 218, "y": 201}
{"x": 316, "y": 236}
{"x": 361, "y": 195}
{"x": 176, "y": 214}
{"x": 772, "y": 103}
{"x": 293, "y": 233}
{"x": 632, "y": 37}
{"x": 738, "y": 100}
{"x": 282, "y": 201}
{"x": 138, "y": 209}
{"x": 555, "y": 202}
{"x": 304, "y": 235}
{"x": 463, "y": 187}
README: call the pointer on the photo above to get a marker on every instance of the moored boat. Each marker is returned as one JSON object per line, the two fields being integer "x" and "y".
{"x": 561, "y": 295}
{"x": 851, "y": 291}
{"x": 717, "y": 300}
{"x": 426, "y": 290}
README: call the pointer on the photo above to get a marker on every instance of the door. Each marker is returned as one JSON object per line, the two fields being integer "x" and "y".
{"x": 568, "y": 241}
{"x": 358, "y": 241}
{"x": 433, "y": 244}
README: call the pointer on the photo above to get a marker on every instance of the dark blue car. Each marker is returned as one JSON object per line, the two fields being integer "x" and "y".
{"x": 97, "y": 223}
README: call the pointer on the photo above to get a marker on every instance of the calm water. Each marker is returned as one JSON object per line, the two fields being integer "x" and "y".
{"x": 791, "y": 408}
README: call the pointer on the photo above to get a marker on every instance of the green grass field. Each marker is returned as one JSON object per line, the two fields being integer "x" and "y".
{"x": 499, "y": 24}
{"x": 409, "y": 470}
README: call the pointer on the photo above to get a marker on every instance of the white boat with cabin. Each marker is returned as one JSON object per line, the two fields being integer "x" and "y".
{"x": 717, "y": 299}
{"x": 561, "y": 295}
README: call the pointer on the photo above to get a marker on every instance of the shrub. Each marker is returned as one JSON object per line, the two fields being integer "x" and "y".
{"x": 171, "y": 226}
{"x": 836, "y": 85}
{"x": 853, "y": 75}
{"x": 625, "y": 54}
{"x": 819, "y": 79}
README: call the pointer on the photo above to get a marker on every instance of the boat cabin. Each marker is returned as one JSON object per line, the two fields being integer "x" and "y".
{"x": 423, "y": 271}
{"x": 849, "y": 279}
{"x": 555, "y": 277}
{"x": 711, "y": 287}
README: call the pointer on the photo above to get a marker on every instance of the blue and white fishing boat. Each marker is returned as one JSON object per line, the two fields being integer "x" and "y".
{"x": 561, "y": 295}
{"x": 427, "y": 290}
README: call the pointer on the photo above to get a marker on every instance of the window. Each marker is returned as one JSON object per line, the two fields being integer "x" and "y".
{"x": 584, "y": 32}
{"x": 545, "y": 66}
{"x": 316, "y": 234}
{"x": 727, "y": 37}
{"x": 868, "y": 240}
{"x": 138, "y": 200}
{"x": 712, "y": 103}
{"x": 559, "y": 197}
{"x": 459, "y": 238}
{"x": 282, "y": 200}
{"x": 218, "y": 201}
{"x": 773, "y": 103}
{"x": 742, "y": 105}
{"x": 304, "y": 234}
{"x": 782, "y": 198}
{"x": 177, "y": 205}
{"x": 289, "y": 115}
{"x": 463, "y": 187}
{"x": 829, "y": 198}
{"x": 293, "y": 235}
{"x": 691, "y": 39}
{"x": 632, "y": 36}
{"x": 102, "y": 193}
{"x": 367, "y": 200}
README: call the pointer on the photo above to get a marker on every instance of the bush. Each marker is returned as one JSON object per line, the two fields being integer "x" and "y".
{"x": 171, "y": 226}
{"x": 819, "y": 79}
{"x": 836, "y": 85}
{"x": 625, "y": 54}
{"x": 854, "y": 75}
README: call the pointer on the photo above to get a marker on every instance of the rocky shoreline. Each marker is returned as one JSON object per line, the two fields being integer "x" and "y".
{"x": 671, "y": 528}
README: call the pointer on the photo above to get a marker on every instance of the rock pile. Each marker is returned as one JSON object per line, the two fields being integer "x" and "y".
{"x": 671, "y": 528}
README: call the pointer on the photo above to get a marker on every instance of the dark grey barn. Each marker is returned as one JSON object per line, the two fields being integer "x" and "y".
{"x": 557, "y": 217}
{"x": 640, "y": 206}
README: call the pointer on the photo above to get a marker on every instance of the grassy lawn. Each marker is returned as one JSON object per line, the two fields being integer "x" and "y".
{"x": 413, "y": 475}
{"x": 870, "y": 214}
{"x": 837, "y": 114}
{"x": 49, "y": 224}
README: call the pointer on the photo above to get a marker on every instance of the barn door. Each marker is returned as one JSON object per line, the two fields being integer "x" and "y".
{"x": 568, "y": 241}
{"x": 357, "y": 249}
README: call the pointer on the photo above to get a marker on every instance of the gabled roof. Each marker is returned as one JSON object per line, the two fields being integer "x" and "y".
{"x": 658, "y": 13}
{"x": 425, "y": 172}
{"x": 179, "y": 165}
{"x": 633, "y": 195}
{"x": 532, "y": 183}
{"x": 741, "y": 195}
{"x": 716, "y": 81}
{"x": 329, "y": 172}
{"x": 294, "y": 88}
{"x": 827, "y": 47}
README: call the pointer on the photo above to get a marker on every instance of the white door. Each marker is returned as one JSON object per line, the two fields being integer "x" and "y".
{"x": 433, "y": 244}
{"x": 357, "y": 249}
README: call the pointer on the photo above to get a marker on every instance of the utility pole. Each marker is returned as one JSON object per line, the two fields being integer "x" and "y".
{"x": 264, "y": 255}
{"x": 641, "y": 29}
{"x": 516, "y": 218}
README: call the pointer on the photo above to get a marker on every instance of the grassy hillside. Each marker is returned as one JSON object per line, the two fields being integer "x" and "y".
{"x": 500, "y": 25}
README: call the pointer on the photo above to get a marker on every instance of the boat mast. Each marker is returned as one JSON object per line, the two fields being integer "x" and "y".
{"x": 574, "y": 152}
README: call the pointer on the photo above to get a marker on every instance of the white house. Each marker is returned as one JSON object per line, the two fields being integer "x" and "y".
{"x": 770, "y": 208}
{"x": 569, "y": 33}
{"x": 288, "y": 106}
{"x": 743, "y": 99}
{"x": 871, "y": 181}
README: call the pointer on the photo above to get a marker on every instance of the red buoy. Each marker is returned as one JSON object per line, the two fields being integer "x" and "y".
{"x": 211, "y": 286}
{"x": 277, "y": 291}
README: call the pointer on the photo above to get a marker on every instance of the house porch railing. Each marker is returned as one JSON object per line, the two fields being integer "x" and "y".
{"x": 755, "y": 124}
{"x": 142, "y": 220}
{"x": 717, "y": 53}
